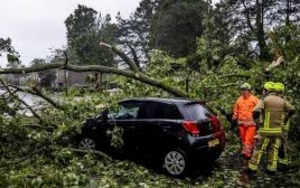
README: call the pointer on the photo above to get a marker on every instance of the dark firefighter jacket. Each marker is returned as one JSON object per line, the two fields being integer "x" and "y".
{"x": 273, "y": 110}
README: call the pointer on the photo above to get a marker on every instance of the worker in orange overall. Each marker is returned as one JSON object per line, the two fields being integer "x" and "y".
{"x": 242, "y": 114}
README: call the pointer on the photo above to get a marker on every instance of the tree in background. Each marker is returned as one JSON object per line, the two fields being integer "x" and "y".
{"x": 12, "y": 55}
{"x": 134, "y": 33}
{"x": 46, "y": 78}
{"x": 250, "y": 21}
{"x": 85, "y": 30}
{"x": 176, "y": 25}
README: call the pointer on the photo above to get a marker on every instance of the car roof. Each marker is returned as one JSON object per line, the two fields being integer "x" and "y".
{"x": 164, "y": 100}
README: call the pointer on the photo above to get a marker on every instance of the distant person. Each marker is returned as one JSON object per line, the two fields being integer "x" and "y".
{"x": 242, "y": 115}
{"x": 268, "y": 115}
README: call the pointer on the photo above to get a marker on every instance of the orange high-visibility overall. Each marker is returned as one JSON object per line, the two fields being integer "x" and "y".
{"x": 242, "y": 112}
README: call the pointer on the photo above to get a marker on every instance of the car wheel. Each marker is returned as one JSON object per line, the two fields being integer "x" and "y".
{"x": 87, "y": 143}
{"x": 175, "y": 162}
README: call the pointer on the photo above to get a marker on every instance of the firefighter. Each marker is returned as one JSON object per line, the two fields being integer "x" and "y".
{"x": 270, "y": 111}
{"x": 283, "y": 151}
{"x": 242, "y": 114}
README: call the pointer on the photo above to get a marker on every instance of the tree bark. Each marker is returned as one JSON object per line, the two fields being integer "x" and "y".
{"x": 98, "y": 68}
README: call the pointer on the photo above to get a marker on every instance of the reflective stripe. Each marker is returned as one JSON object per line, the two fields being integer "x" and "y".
{"x": 246, "y": 123}
{"x": 286, "y": 128}
{"x": 277, "y": 129}
{"x": 254, "y": 166}
{"x": 270, "y": 132}
{"x": 266, "y": 130}
{"x": 273, "y": 166}
{"x": 267, "y": 120}
{"x": 284, "y": 161}
{"x": 282, "y": 119}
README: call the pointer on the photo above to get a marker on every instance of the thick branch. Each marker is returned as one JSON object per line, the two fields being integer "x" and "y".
{"x": 48, "y": 99}
{"x": 125, "y": 58}
{"x": 234, "y": 75}
{"x": 247, "y": 14}
{"x": 135, "y": 57}
{"x": 99, "y": 68}
{"x": 20, "y": 160}
{"x": 93, "y": 152}
{"x": 40, "y": 94}
{"x": 279, "y": 61}
{"x": 20, "y": 100}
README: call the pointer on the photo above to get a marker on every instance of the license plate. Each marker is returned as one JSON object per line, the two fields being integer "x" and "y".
{"x": 213, "y": 142}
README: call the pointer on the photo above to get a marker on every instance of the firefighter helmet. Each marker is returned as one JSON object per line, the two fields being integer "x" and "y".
{"x": 245, "y": 86}
{"x": 279, "y": 87}
{"x": 269, "y": 86}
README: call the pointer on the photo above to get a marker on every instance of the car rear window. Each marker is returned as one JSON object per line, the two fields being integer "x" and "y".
{"x": 197, "y": 112}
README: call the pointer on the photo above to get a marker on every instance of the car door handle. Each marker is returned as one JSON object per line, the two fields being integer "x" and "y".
{"x": 131, "y": 127}
{"x": 166, "y": 128}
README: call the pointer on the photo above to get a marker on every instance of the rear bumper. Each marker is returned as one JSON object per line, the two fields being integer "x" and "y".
{"x": 200, "y": 147}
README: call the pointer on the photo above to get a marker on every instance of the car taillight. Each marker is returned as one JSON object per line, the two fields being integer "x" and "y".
{"x": 191, "y": 127}
{"x": 216, "y": 124}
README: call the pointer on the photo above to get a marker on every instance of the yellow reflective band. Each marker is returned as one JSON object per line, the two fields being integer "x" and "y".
{"x": 275, "y": 155}
{"x": 283, "y": 161}
{"x": 253, "y": 166}
{"x": 286, "y": 128}
{"x": 263, "y": 148}
{"x": 282, "y": 119}
{"x": 276, "y": 130}
{"x": 271, "y": 131}
{"x": 267, "y": 120}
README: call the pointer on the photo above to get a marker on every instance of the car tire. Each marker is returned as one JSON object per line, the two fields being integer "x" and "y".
{"x": 175, "y": 162}
{"x": 87, "y": 143}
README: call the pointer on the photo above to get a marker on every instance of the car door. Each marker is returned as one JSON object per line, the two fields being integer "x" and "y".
{"x": 157, "y": 120}
{"x": 148, "y": 124}
{"x": 126, "y": 117}
{"x": 169, "y": 125}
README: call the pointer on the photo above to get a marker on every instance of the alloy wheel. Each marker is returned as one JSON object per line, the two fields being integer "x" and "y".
{"x": 87, "y": 143}
{"x": 175, "y": 163}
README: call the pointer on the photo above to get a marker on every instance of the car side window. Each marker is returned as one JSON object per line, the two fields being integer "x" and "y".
{"x": 148, "y": 110}
{"x": 128, "y": 110}
{"x": 168, "y": 111}
{"x": 157, "y": 110}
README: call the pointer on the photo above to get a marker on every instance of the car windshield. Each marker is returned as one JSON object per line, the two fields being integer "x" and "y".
{"x": 197, "y": 112}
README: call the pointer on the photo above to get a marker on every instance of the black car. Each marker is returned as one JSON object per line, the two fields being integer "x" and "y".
{"x": 182, "y": 132}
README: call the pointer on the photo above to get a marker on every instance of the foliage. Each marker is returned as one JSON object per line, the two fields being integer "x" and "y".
{"x": 208, "y": 52}
{"x": 47, "y": 77}
{"x": 175, "y": 26}
{"x": 85, "y": 30}
{"x": 134, "y": 33}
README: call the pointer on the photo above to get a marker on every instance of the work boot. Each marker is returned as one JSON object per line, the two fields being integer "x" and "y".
{"x": 246, "y": 157}
{"x": 250, "y": 171}
{"x": 245, "y": 164}
{"x": 282, "y": 167}
{"x": 271, "y": 172}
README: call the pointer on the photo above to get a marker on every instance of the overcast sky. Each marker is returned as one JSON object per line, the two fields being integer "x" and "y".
{"x": 35, "y": 26}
